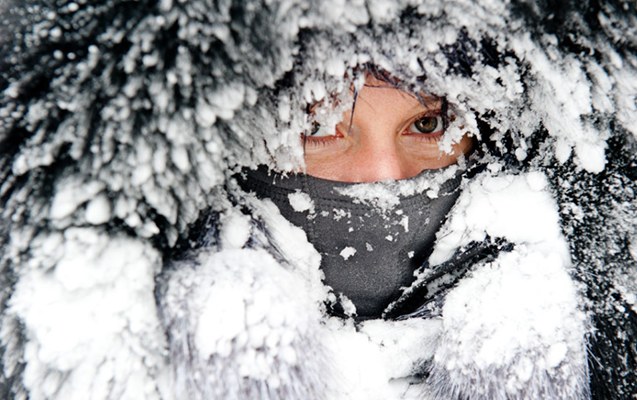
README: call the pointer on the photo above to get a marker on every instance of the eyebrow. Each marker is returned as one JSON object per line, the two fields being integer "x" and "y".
{"x": 428, "y": 103}
{"x": 423, "y": 99}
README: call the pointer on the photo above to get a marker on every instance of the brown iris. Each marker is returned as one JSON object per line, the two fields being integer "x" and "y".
{"x": 426, "y": 124}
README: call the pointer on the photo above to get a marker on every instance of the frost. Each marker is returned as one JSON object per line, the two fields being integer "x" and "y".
{"x": 98, "y": 210}
{"x": 70, "y": 194}
{"x": 347, "y": 252}
{"x": 517, "y": 208}
{"x": 141, "y": 123}
{"x": 301, "y": 202}
{"x": 235, "y": 231}
{"x": 386, "y": 195}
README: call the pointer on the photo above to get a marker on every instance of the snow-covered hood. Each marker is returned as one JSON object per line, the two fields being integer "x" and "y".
{"x": 123, "y": 122}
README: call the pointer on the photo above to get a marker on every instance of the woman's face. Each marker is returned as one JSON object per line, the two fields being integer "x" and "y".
{"x": 392, "y": 135}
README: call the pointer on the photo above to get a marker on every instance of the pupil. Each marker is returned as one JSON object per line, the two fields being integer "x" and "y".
{"x": 427, "y": 124}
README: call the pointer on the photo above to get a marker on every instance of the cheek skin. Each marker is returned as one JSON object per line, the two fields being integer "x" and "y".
{"x": 345, "y": 161}
{"x": 431, "y": 157}
{"x": 331, "y": 170}
{"x": 332, "y": 163}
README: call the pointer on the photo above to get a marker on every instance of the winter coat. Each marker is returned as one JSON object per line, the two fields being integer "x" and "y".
{"x": 133, "y": 266}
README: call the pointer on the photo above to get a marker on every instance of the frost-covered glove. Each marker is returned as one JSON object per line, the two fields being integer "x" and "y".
{"x": 512, "y": 327}
{"x": 238, "y": 329}
{"x": 241, "y": 319}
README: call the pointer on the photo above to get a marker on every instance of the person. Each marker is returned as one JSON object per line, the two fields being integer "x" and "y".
{"x": 375, "y": 202}
{"x": 369, "y": 253}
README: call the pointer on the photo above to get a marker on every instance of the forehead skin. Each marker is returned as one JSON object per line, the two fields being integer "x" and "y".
{"x": 380, "y": 102}
{"x": 421, "y": 100}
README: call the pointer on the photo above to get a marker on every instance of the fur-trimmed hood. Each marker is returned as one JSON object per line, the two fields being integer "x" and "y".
{"x": 133, "y": 266}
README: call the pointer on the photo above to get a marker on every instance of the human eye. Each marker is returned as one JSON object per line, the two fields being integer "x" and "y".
{"x": 319, "y": 130}
{"x": 427, "y": 125}
{"x": 321, "y": 135}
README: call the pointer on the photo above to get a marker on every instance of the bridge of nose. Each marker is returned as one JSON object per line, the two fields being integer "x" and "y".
{"x": 379, "y": 159}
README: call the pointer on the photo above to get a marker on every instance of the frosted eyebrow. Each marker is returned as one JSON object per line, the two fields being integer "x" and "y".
{"x": 427, "y": 103}
{"x": 420, "y": 97}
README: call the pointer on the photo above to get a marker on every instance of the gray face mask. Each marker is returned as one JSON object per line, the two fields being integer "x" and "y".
{"x": 371, "y": 237}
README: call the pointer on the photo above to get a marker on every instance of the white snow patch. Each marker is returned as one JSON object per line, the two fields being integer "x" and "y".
{"x": 386, "y": 195}
{"x": 95, "y": 309}
{"x": 69, "y": 194}
{"x": 335, "y": 67}
{"x": 218, "y": 326}
{"x": 98, "y": 210}
{"x": 235, "y": 230}
{"x": 520, "y": 313}
{"x": 515, "y": 207}
{"x": 347, "y": 252}
{"x": 301, "y": 202}
{"x": 340, "y": 213}
{"x": 632, "y": 247}
{"x": 179, "y": 156}
{"x": 348, "y": 306}
{"x": 292, "y": 241}
{"x": 404, "y": 222}
{"x": 370, "y": 360}
{"x": 266, "y": 317}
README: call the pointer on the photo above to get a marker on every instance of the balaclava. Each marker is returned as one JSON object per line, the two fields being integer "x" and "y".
{"x": 371, "y": 236}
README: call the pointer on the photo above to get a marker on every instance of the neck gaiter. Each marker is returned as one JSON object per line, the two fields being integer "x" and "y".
{"x": 371, "y": 236}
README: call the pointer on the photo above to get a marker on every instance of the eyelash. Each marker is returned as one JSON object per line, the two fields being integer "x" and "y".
{"x": 319, "y": 141}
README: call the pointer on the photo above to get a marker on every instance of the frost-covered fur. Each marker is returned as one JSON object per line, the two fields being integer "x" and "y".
{"x": 122, "y": 124}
